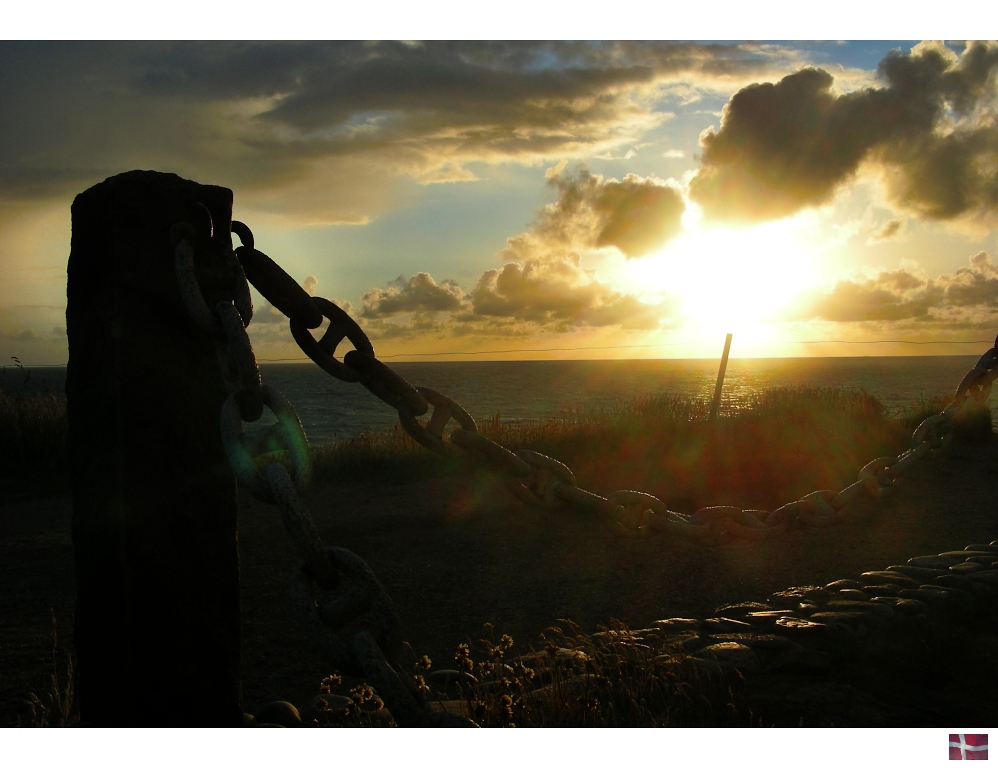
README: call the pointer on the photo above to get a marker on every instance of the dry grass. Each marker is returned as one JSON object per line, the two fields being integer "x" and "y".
{"x": 58, "y": 706}
{"x": 780, "y": 445}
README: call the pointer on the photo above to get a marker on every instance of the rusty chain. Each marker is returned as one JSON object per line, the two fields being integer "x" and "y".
{"x": 532, "y": 477}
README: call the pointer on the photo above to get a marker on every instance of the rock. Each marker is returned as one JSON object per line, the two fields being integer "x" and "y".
{"x": 861, "y": 622}
{"x": 902, "y": 605}
{"x": 919, "y": 574}
{"x": 804, "y": 630}
{"x": 725, "y": 625}
{"x": 765, "y": 618}
{"x": 282, "y": 713}
{"x": 934, "y": 598}
{"x": 989, "y": 548}
{"x": 729, "y": 656}
{"x": 960, "y": 601}
{"x": 841, "y": 584}
{"x": 791, "y": 598}
{"x": 966, "y": 568}
{"x": 248, "y": 720}
{"x": 935, "y": 561}
{"x": 757, "y": 641}
{"x": 887, "y": 577}
{"x": 882, "y": 590}
{"x": 956, "y": 582}
{"x": 988, "y": 561}
{"x": 882, "y": 611}
{"x": 677, "y": 625}
{"x": 959, "y": 554}
{"x": 854, "y": 595}
{"x": 737, "y": 610}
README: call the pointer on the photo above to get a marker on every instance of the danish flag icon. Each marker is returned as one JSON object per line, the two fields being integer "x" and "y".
{"x": 968, "y": 746}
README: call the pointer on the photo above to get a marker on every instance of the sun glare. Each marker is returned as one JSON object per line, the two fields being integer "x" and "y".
{"x": 726, "y": 279}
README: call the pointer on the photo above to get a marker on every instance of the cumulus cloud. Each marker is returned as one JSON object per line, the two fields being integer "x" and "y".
{"x": 930, "y": 128}
{"x": 420, "y": 293}
{"x": 970, "y": 292}
{"x": 558, "y": 292}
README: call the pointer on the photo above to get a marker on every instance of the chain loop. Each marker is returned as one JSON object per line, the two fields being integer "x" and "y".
{"x": 977, "y": 383}
{"x": 539, "y": 488}
{"x": 238, "y": 363}
{"x": 341, "y": 326}
{"x": 366, "y": 594}
{"x": 382, "y": 382}
{"x": 876, "y": 480}
{"x": 273, "y": 283}
{"x": 299, "y": 524}
{"x": 431, "y": 436}
{"x": 289, "y": 428}
{"x": 816, "y": 510}
{"x": 489, "y": 452}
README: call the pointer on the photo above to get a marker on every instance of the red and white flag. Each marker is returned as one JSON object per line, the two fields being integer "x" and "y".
{"x": 968, "y": 746}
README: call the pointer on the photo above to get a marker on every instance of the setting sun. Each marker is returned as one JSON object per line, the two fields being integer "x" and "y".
{"x": 725, "y": 278}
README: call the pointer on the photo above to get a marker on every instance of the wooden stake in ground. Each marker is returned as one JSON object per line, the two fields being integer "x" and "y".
{"x": 715, "y": 404}
{"x": 154, "y": 502}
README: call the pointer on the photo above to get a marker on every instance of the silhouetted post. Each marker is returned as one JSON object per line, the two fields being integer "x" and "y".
{"x": 716, "y": 403}
{"x": 154, "y": 502}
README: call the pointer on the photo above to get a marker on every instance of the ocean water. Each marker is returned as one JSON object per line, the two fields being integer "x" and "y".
{"x": 331, "y": 409}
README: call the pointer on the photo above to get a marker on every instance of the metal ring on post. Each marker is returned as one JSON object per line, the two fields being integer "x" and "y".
{"x": 431, "y": 435}
{"x": 243, "y": 463}
{"x": 244, "y": 233}
{"x": 190, "y": 292}
{"x": 341, "y": 326}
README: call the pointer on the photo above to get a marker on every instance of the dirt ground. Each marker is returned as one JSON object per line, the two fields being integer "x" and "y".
{"x": 455, "y": 552}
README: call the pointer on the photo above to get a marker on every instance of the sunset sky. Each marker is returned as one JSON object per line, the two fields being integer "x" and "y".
{"x": 478, "y": 197}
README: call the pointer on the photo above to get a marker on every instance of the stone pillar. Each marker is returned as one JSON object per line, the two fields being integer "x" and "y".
{"x": 154, "y": 502}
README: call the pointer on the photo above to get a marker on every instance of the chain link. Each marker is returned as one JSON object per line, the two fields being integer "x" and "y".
{"x": 532, "y": 477}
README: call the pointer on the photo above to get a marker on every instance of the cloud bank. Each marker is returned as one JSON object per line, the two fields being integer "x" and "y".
{"x": 966, "y": 297}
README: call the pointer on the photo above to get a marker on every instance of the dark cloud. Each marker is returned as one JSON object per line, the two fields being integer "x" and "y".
{"x": 901, "y": 295}
{"x": 931, "y": 127}
{"x": 637, "y": 215}
{"x": 889, "y": 230}
{"x": 265, "y": 115}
